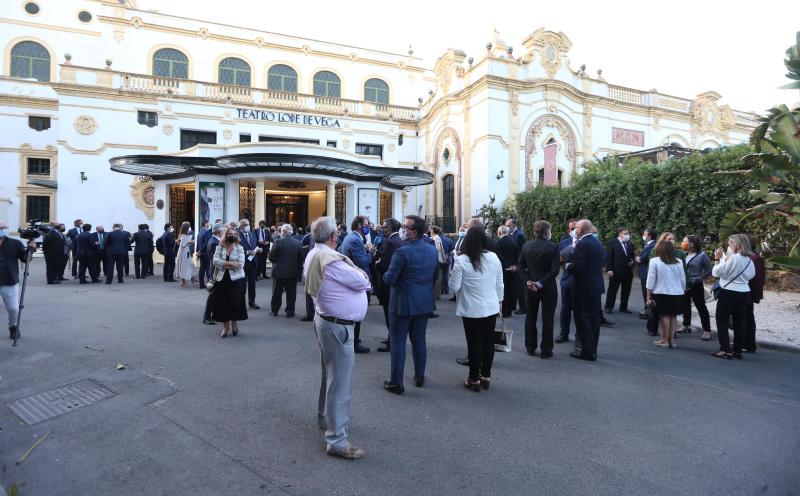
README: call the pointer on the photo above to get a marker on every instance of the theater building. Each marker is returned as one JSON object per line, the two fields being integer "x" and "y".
{"x": 113, "y": 113}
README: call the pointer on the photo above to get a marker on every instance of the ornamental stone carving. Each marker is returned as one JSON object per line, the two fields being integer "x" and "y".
{"x": 85, "y": 124}
{"x": 143, "y": 194}
{"x": 552, "y": 48}
{"x": 227, "y": 134}
{"x": 447, "y": 69}
{"x": 708, "y": 117}
{"x": 167, "y": 129}
{"x": 567, "y": 137}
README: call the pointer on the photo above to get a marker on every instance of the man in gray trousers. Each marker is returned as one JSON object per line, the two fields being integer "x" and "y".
{"x": 339, "y": 291}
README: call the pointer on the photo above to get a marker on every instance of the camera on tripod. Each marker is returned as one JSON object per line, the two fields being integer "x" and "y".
{"x": 34, "y": 230}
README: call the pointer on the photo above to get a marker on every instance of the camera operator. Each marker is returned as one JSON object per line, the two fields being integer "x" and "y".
{"x": 12, "y": 252}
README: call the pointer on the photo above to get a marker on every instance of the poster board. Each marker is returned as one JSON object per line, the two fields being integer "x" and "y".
{"x": 212, "y": 201}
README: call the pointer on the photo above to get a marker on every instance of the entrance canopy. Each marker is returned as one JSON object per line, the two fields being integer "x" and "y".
{"x": 176, "y": 167}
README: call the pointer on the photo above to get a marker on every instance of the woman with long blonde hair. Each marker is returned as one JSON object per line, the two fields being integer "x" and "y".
{"x": 734, "y": 269}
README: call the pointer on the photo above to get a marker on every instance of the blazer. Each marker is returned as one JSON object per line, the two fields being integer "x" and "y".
{"x": 478, "y": 293}
{"x": 587, "y": 267}
{"x": 286, "y": 256}
{"x": 386, "y": 251}
{"x": 211, "y": 247}
{"x": 617, "y": 259}
{"x": 168, "y": 243}
{"x": 202, "y": 243}
{"x": 102, "y": 241}
{"x": 539, "y": 262}
{"x": 54, "y": 244}
{"x": 72, "y": 235}
{"x": 411, "y": 275}
{"x": 507, "y": 251}
{"x": 237, "y": 255}
{"x": 143, "y": 243}
{"x": 86, "y": 243}
{"x": 249, "y": 242}
{"x": 353, "y": 247}
{"x": 644, "y": 256}
{"x": 447, "y": 244}
{"x": 117, "y": 243}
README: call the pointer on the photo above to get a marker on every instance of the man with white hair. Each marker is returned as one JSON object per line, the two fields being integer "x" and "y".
{"x": 339, "y": 291}
{"x": 287, "y": 261}
{"x": 12, "y": 252}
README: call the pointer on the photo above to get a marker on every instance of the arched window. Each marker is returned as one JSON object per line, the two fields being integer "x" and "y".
{"x": 282, "y": 78}
{"x": 30, "y": 60}
{"x": 448, "y": 203}
{"x": 328, "y": 84}
{"x": 234, "y": 71}
{"x": 170, "y": 63}
{"x": 376, "y": 91}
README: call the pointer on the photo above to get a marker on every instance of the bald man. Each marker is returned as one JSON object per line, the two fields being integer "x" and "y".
{"x": 587, "y": 290}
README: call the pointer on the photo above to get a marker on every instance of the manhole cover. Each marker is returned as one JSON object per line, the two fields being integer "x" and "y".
{"x": 43, "y": 406}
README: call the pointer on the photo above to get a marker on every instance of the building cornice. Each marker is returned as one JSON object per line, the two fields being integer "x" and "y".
{"x": 29, "y": 102}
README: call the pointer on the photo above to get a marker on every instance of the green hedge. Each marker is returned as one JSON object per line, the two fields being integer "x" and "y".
{"x": 683, "y": 196}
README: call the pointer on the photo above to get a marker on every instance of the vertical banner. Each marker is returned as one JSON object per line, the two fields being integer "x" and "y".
{"x": 212, "y": 201}
{"x": 368, "y": 203}
{"x": 550, "y": 169}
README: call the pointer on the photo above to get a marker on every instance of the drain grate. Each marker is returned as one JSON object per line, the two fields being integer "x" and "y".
{"x": 50, "y": 404}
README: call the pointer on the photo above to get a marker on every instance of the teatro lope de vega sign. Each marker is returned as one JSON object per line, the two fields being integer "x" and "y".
{"x": 307, "y": 120}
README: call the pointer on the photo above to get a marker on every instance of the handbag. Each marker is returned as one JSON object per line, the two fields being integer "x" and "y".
{"x": 716, "y": 288}
{"x": 502, "y": 337}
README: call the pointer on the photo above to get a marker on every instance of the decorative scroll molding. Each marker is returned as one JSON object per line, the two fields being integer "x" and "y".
{"x": 564, "y": 130}
{"x": 143, "y": 194}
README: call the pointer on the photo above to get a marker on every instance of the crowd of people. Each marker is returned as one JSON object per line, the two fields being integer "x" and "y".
{"x": 408, "y": 266}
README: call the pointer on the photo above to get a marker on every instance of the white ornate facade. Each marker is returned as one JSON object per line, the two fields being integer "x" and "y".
{"x": 85, "y": 82}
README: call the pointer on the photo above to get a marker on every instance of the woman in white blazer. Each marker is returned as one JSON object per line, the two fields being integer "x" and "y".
{"x": 477, "y": 282}
{"x": 229, "y": 283}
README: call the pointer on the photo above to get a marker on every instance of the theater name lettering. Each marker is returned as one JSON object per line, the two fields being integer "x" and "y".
{"x": 306, "y": 120}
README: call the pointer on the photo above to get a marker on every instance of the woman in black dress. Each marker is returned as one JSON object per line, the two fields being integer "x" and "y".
{"x": 229, "y": 283}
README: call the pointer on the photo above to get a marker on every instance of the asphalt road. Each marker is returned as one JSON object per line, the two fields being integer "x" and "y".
{"x": 194, "y": 414}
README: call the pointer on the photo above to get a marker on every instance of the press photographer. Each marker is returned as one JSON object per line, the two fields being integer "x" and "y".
{"x": 12, "y": 252}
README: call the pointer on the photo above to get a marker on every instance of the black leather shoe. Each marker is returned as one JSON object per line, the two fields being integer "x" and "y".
{"x": 254, "y": 306}
{"x": 434, "y": 315}
{"x": 13, "y": 332}
{"x": 531, "y": 352}
{"x": 562, "y": 339}
{"x": 419, "y": 381}
{"x": 384, "y": 349}
{"x": 546, "y": 354}
{"x": 624, "y": 311}
{"x": 394, "y": 388}
{"x": 519, "y": 312}
{"x": 209, "y": 322}
{"x": 108, "y": 281}
{"x": 95, "y": 280}
{"x": 453, "y": 298}
{"x": 463, "y": 361}
{"x": 360, "y": 348}
{"x": 274, "y": 314}
{"x": 607, "y": 323}
{"x": 84, "y": 282}
{"x": 582, "y": 356}
{"x": 608, "y": 310}
{"x": 289, "y": 315}
{"x": 63, "y": 279}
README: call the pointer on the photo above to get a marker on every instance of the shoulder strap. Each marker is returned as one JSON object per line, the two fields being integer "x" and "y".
{"x": 749, "y": 261}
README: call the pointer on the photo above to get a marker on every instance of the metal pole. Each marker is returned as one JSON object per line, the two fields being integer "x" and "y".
{"x": 22, "y": 293}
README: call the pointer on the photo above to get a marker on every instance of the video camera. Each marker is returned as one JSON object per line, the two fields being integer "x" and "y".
{"x": 34, "y": 230}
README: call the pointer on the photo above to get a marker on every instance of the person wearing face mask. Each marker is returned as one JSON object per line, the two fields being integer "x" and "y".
{"x": 167, "y": 242}
{"x": 184, "y": 265}
{"x": 462, "y": 232}
{"x": 698, "y": 269}
{"x": 538, "y": 267}
{"x": 620, "y": 259}
{"x": 116, "y": 249}
{"x": 735, "y": 269}
{"x": 643, "y": 259}
{"x": 252, "y": 251}
{"x": 229, "y": 283}
{"x": 392, "y": 240}
{"x": 287, "y": 262}
{"x": 54, "y": 247}
{"x": 508, "y": 252}
{"x": 516, "y": 234}
{"x": 72, "y": 235}
{"x": 566, "y": 246}
{"x": 142, "y": 251}
{"x": 102, "y": 254}
{"x": 666, "y": 284}
{"x": 353, "y": 247}
{"x": 587, "y": 291}
{"x": 12, "y": 252}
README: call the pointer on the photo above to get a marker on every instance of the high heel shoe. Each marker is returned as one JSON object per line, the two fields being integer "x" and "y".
{"x": 224, "y": 332}
{"x": 473, "y": 386}
{"x": 235, "y": 330}
{"x": 486, "y": 382}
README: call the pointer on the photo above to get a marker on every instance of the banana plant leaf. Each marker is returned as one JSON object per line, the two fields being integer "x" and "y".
{"x": 790, "y": 262}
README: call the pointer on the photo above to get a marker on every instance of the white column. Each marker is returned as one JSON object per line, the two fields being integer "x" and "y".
{"x": 330, "y": 199}
{"x": 261, "y": 209}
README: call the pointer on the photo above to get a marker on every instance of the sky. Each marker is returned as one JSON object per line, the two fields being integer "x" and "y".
{"x": 679, "y": 47}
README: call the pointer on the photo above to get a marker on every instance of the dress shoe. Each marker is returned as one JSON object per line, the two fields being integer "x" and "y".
{"x": 463, "y": 361}
{"x": 274, "y": 314}
{"x": 394, "y": 388}
{"x": 419, "y": 381}
{"x": 383, "y": 341}
{"x": 13, "y": 332}
{"x": 519, "y": 312}
{"x": 306, "y": 319}
{"x": 137, "y": 277}
{"x": 583, "y": 356}
{"x": 253, "y": 306}
{"x": 120, "y": 281}
{"x": 63, "y": 279}
{"x": 546, "y": 354}
{"x": 453, "y": 298}
{"x": 95, "y": 280}
{"x": 108, "y": 281}
{"x": 349, "y": 453}
{"x": 530, "y": 352}
{"x": 607, "y": 323}
{"x": 84, "y": 282}
{"x": 562, "y": 339}
{"x": 360, "y": 348}
{"x": 209, "y": 322}
{"x": 434, "y": 315}
{"x": 624, "y": 311}
{"x": 384, "y": 349}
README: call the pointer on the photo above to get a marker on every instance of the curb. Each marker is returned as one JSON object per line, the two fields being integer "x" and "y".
{"x": 778, "y": 346}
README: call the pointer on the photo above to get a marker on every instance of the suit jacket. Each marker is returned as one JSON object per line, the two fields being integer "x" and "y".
{"x": 54, "y": 245}
{"x": 354, "y": 249}
{"x": 143, "y": 241}
{"x": 249, "y": 242}
{"x": 644, "y": 256}
{"x": 117, "y": 243}
{"x": 507, "y": 251}
{"x": 386, "y": 251}
{"x": 265, "y": 234}
{"x": 202, "y": 243}
{"x": 618, "y": 259}
{"x": 539, "y": 262}
{"x": 168, "y": 243}
{"x": 211, "y": 247}
{"x": 457, "y": 247}
{"x": 565, "y": 250}
{"x": 85, "y": 243}
{"x": 447, "y": 245}
{"x": 286, "y": 256}
{"x": 72, "y": 235}
{"x": 411, "y": 275}
{"x": 587, "y": 268}
{"x": 519, "y": 238}
{"x": 102, "y": 241}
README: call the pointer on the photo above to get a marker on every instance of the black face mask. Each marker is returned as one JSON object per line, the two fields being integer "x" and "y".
{"x": 232, "y": 239}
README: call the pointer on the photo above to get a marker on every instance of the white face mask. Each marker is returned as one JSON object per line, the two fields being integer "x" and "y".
{"x": 730, "y": 251}
{"x": 171, "y": 229}
{"x": 246, "y": 228}
{"x": 626, "y": 238}
{"x": 644, "y": 238}
{"x": 462, "y": 234}
{"x": 574, "y": 233}
{"x": 549, "y": 235}
{"x": 402, "y": 233}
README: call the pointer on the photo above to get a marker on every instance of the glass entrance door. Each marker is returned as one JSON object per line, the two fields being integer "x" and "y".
{"x": 287, "y": 208}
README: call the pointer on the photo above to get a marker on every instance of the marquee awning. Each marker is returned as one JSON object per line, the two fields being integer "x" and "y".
{"x": 172, "y": 167}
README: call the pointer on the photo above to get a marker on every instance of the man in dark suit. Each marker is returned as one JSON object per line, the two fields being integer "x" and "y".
{"x": 169, "y": 251}
{"x": 87, "y": 252}
{"x": 54, "y": 246}
{"x": 117, "y": 242}
{"x": 72, "y": 236}
{"x": 391, "y": 242}
{"x": 516, "y": 234}
{"x": 643, "y": 259}
{"x": 210, "y": 248}
{"x": 447, "y": 246}
{"x": 287, "y": 259}
{"x": 620, "y": 258}
{"x": 538, "y": 267}
{"x": 263, "y": 238}
{"x": 202, "y": 242}
{"x": 247, "y": 239}
{"x": 142, "y": 251}
{"x": 587, "y": 290}
{"x": 127, "y": 261}
{"x": 102, "y": 261}
{"x": 566, "y": 250}
{"x": 353, "y": 247}
{"x": 411, "y": 277}
{"x": 508, "y": 252}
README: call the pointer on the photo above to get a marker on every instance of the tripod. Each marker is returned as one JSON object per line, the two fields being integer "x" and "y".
{"x": 25, "y": 274}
